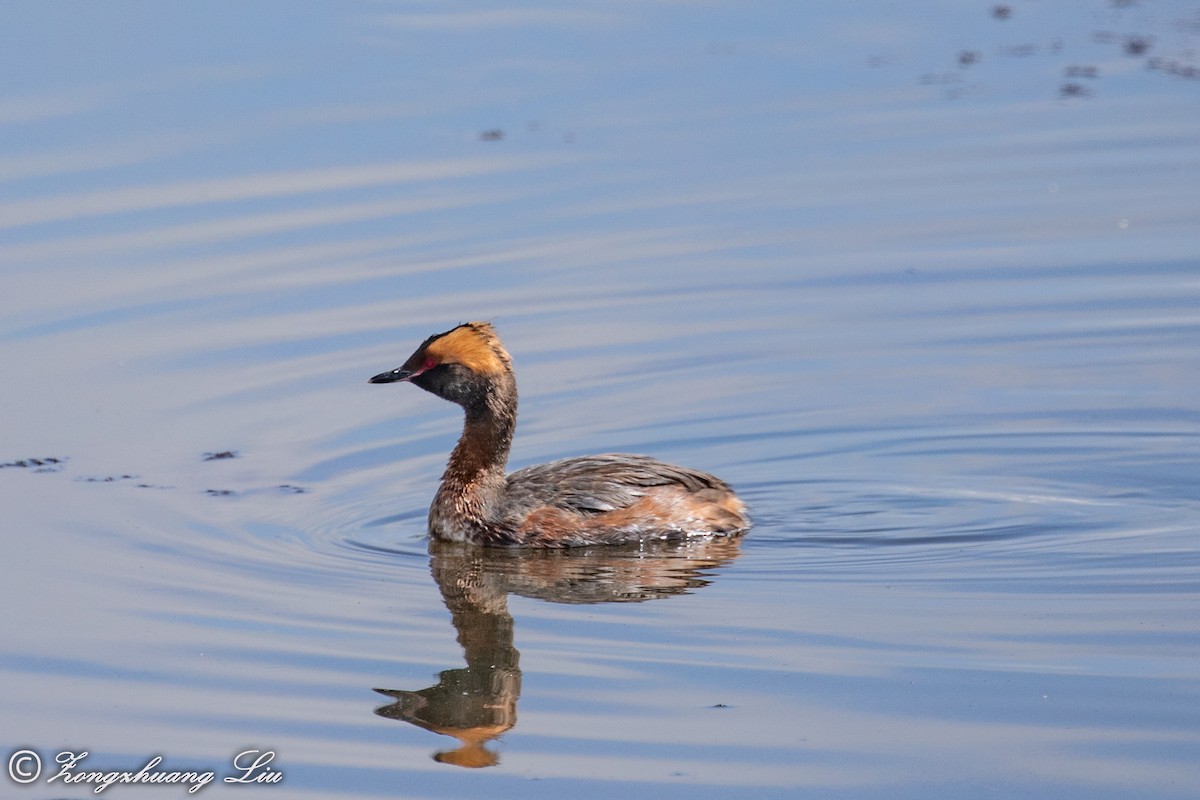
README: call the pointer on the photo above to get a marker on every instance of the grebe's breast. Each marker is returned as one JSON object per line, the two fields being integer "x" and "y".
{"x": 619, "y": 497}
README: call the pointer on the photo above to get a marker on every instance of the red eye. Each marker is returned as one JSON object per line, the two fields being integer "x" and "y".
{"x": 429, "y": 364}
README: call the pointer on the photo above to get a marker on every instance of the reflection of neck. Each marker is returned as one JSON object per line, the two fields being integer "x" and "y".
{"x": 486, "y": 636}
{"x": 478, "y": 608}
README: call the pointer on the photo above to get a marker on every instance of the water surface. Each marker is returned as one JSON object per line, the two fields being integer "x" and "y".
{"x": 921, "y": 282}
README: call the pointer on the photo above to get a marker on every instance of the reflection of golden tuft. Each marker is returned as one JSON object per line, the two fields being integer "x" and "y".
{"x": 472, "y": 754}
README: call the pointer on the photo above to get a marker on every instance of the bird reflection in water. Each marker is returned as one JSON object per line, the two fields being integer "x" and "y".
{"x": 477, "y": 703}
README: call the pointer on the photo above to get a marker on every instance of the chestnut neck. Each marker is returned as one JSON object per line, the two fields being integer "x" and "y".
{"x": 481, "y": 454}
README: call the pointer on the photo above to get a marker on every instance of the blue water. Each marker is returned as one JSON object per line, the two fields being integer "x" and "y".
{"x": 922, "y": 282}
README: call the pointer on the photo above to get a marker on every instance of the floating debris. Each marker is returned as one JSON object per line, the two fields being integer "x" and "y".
{"x": 1176, "y": 68}
{"x": 105, "y": 479}
{"x": 1020, "y": 50}
{"x": 36, "y": 464}
{"x": 939, "y": 79}
{"x": 51, "y": 464}
{"x": 1131, "y": 43}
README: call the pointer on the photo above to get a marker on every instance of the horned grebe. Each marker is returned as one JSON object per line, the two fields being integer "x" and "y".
{"x": 601, "y": 499}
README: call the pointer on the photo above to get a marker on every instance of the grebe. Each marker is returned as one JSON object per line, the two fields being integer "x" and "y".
{"x": 600, "y": 499}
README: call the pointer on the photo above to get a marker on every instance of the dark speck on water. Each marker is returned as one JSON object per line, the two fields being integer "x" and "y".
{"x": 1137, "y": 45}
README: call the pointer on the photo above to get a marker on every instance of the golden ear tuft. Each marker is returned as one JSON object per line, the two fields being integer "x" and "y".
{"x": 474, "y": 345}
